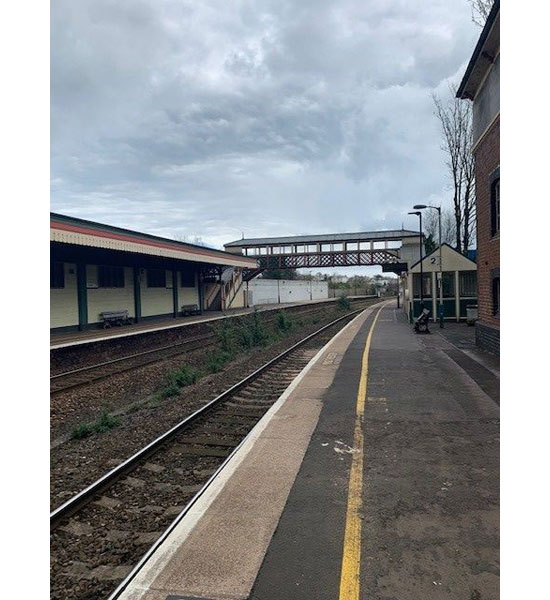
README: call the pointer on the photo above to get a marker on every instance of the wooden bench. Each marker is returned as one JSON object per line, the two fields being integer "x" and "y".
{"x": 115, "y": 317}
{"x": 190, "y": 309}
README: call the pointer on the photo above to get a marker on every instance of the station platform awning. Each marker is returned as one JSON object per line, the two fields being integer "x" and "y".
{"x": 80, "y": 232}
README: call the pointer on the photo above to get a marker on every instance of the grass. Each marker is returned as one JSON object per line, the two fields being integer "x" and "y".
{"x": 105, "y": 422}
{"x": 178, "y": 378}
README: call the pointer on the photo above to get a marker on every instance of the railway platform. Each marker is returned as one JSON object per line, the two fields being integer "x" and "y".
{"x": 67, "y": 339}
{"x": 375, "y": 475}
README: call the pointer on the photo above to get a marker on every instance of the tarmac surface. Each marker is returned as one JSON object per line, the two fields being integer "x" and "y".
{"x": 423, "y": 508}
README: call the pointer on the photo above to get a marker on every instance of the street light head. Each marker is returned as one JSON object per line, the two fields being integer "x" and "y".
{"x": 416, "y": 212}
{"x": 416, "y": 206}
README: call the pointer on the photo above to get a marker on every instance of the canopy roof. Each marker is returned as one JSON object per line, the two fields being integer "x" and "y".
{"x": 365, "y": 236}
{"x": 71, "y": 230}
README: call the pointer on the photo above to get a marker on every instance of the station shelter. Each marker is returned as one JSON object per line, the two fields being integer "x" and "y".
{"x": 459, "y": 281}
{"x": 96, "y": 268}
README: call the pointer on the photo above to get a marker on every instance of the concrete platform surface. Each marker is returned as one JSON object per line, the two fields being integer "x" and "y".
{"x": 272, "y": 524}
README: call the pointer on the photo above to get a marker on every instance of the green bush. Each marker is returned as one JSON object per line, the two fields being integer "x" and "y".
{"x": 344, "y": 303}
{"x": 284, "y": 323}
{"x": 185, "y": 375}
{"x": 217, "y": 360}
{"x": 259, "y": 334}
{"x": 228, "y": 336}
{"x": 172, "y": 389}
{"x": 104, "y": 423}
{"x": 81, "y": 431}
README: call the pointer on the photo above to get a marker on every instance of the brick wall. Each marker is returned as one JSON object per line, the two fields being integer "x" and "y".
{"x": 487, "y": 159}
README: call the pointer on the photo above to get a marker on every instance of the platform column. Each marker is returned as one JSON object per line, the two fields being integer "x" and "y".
{"x": 82, "y": 295}
{"x": 137, "y": 295}
{"x": 457, "y": 297}
{"x": 434, "y": 297}
{"x": 201, "y": 291}
{"x": 175, "y": 292}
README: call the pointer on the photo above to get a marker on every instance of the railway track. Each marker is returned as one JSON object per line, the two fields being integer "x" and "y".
{"x": 99, "y": 371}
{"x": 99, "y": 535}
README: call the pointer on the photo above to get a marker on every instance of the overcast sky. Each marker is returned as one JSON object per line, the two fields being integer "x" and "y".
{"x": 211, "y": 118}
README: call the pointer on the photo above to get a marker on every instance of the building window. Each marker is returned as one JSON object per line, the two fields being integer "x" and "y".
{"x": 156, "y": 278}
{"x": 427, "y": 285}
{"x": 468, "y": 284}
{"x": 495, "y": 202}
{"x": 110, "y": 277}
{"x": 496, "y": 296}
{"x": 188, "y": 279}
{"x": 448, "y": 284}
{"x": 57, "y": 275}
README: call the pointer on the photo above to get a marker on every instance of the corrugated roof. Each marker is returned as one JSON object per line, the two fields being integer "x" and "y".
{"x": 72, "y": 230}
{"x": 365, "y": 236}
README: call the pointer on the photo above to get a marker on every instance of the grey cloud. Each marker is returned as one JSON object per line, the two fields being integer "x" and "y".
{"x": 212, "y": 118}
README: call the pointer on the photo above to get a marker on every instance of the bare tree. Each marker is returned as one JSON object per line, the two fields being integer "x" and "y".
{"x": 455, "y": 117}
{"x": 448, "y": 226}
{"x": 480, "y": 11}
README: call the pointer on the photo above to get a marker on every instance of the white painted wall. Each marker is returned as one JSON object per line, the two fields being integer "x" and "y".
{"x": 273, "y": 291}
{"x": 188, "y": 295}
{"x": 64, "y": 301}
{"x": 156, "y": 301}
{"x": 103, "y": 299}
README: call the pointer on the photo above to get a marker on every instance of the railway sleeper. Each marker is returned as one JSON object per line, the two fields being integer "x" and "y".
{"x": 201, "y": 451}
{"x": 210, "y": 441}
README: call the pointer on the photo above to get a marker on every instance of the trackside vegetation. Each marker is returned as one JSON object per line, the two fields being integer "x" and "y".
{"x": 236, "y": 336}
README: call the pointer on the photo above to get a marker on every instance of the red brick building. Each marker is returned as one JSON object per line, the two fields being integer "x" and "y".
{"x": 481, "y": 85}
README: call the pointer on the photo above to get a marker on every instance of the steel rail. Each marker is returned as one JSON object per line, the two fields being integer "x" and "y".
{"x": 130, "y": 356}
{"x": 83, "y": 497}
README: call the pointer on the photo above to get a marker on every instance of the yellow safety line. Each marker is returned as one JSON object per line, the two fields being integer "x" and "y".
{"x": 351, "y": 560}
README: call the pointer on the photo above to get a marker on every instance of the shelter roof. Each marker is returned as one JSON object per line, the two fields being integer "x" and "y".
{"x": 452, "y": 261}
{"x": 81, "y": 232}
{"x": 365, "y": 236}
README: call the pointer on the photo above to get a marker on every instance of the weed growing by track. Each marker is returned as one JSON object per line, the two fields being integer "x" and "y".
{"x": 235, "y": 337}
{"x": 344, "y": 303}
{"x": 105, "y": 422}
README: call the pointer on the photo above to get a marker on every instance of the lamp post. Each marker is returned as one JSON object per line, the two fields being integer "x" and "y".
{"x": 419, "y": 214}
{"x": 441, "y": 306}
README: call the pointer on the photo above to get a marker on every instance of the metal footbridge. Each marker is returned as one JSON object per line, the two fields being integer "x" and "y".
{"x": 392, "y": 249}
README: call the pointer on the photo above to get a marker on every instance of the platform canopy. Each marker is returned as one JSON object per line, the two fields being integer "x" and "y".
{"x": 80, "y": 232}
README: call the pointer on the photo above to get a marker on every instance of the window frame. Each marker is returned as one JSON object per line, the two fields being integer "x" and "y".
{"x": 110, "y": 277}
{"x": 151, "y": 275}
{"x": 60, "y": 266}
{"x": 448, "y": 276}
{"x": 464, "y": 287}
{"x": 190, "y": 277}
{"x": 416, "y": 285}
{"x": 495, "y": 291}
{"x": 494, "y": 201}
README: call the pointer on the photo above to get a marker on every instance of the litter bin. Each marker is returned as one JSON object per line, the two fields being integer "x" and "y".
{"x": 471, "y": 314}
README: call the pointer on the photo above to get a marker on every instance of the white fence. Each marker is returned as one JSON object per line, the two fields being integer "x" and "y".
{"x": 279, "y": 291}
